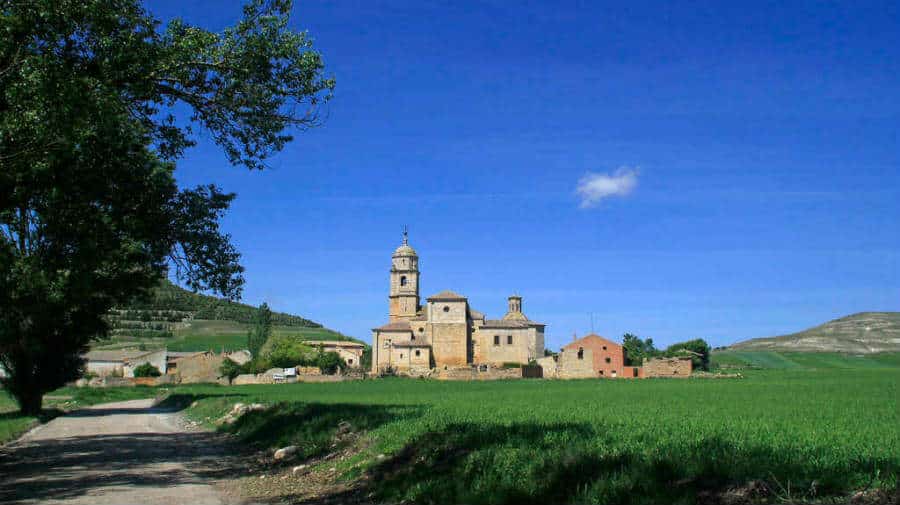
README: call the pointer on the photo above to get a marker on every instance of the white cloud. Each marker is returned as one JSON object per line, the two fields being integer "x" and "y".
{"x": 593, "y": 187}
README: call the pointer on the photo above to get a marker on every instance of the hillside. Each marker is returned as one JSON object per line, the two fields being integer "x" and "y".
{"x": 863, "y": 333}
{"x": 181, "y": 320}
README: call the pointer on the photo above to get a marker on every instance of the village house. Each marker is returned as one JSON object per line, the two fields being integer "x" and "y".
{"x": 350, "y": 352}
{"x": 593, "y": 356}
{"x": 446, "y": 332}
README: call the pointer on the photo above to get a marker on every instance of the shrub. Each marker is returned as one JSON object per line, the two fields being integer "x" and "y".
{"x": 330, "y": 362}
{"x": 146, "y": 370}
{"x": 511, "y": 364}
{"x": 230, "y": 369}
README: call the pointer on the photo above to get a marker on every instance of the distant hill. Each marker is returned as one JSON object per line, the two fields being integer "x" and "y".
{"x": 178, "y": 319}
{"x": 863, "y": 333}
{"x": 171, "y": 298}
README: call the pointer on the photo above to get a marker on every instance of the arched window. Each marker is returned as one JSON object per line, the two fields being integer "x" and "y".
{"x": 403, "y": 280}
{"x": 581, "y": 353}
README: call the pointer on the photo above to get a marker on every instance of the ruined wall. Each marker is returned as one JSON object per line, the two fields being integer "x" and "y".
{"x": 549, "y": 366}
{"x": 668, "y": 367}
{"x": 482, "y": 372}
{"x": 200, "y": 368}
{"x": 571, "y": 367}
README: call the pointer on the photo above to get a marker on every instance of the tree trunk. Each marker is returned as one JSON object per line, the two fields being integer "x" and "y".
{"x": 30, "y": 402}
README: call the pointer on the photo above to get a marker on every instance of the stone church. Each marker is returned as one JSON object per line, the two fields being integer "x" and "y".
{"x": 446, "y": 332}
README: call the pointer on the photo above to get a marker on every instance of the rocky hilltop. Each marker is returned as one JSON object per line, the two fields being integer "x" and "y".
{"x": 866, "y": 332}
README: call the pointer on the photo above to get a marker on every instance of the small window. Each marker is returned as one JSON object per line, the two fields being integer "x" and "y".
{"x": 446, "y": 308}
{"x": 604, "y": 347}
{"x": 401, "y": 355}
{"x": 509, "y": 339}
{"x": 403, "y": 280}
{"x": 421, "y": 330}
{"x": 581, "y": 353}
{"x": 412, "y": 337}
{"x": 601, "y": 372}
{"x": 608, "y": 360}
{"x": 496, "y": 339}
{"x": 387, "y": 343}
{"x": 350, "y": 361}
{"x": 418, "y": 353}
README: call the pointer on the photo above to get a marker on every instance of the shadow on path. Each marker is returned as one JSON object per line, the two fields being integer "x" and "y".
{"x": 73, "y": 466}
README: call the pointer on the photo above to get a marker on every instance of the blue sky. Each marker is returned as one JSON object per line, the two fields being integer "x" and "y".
{"x": 740, "y": 164}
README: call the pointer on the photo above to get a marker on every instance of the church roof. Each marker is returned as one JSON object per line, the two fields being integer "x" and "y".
{"x": 506, "y": 323}
{"x": 515, "y": 316}
{"x": 405, "y": 250}
{"x": 447, "y": 295}
{"x": 395, "y": 326}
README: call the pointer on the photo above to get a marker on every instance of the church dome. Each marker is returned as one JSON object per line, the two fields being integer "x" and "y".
{"x": 405, "y": 250}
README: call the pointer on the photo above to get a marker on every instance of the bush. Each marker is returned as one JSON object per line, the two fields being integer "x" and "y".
{"x": 230, "y": 369}
{"x": 330, "y": 362}
{"x": 511, "y": 364}
{"x": 146, "y": 370}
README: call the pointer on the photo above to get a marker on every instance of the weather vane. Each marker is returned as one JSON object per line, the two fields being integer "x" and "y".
{"x": 405, "y": 235}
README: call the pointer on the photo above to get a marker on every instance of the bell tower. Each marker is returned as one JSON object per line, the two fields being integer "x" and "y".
{"x": 404, "y": 297}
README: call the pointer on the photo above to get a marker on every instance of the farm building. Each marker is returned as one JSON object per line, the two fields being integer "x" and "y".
{"x": 594, "y": 356}
{"x": 350, "y": 352}
{"x": 446, "y": 332}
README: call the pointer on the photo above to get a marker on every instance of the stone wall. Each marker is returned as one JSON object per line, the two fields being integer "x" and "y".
{"x": 668, "y": 367}
{"x": 201, "y": 367}
{"x": 157, "y": 359}
{"x": 521, "y": 350}
{"x": 479, "y": 372}
{"x": 573, "y": 367}
{"x": 550, "y": 367}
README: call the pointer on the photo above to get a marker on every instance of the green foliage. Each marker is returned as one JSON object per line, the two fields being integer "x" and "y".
{"x": 697, "y": 348}
{"x": 260, "y": 331}
{"x": 510, "y": 364}
{"x": 637, "y": 350}
{"x": 330, "y": 362}
{"x": 146, "y": 370}
{"x": 284, "y": 351}
{"x": 229, "y": 369}
{"x": 90, "y": 212}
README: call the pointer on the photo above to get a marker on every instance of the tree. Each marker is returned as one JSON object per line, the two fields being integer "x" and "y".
{"x": 697, "y": 348}
{"x": 230, "y": 369}
{"x": 330, "y": 362}
{"x": 91, "y": 96}
{"x": 260, "y": 331}
{"x": 285, "y": 351}
{"x": 146, "y": 370}
{"x": 637, "y": 350}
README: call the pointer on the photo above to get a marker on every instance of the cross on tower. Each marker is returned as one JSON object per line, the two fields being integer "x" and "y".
{"x": 405, "y": 235}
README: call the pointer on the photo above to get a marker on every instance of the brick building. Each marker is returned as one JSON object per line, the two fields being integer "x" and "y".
{"x": 594, "y": 356}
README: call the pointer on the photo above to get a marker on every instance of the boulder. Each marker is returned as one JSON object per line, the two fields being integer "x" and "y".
{"x": 286, "y": 452}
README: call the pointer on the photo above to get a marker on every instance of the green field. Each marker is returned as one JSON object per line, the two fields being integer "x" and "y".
{"x": 815, "y": 429}
{"x": 738, "y": 359}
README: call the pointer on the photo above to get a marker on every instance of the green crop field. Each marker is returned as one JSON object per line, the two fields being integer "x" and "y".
{"x": 804, "y": 433}
{"x": 739, "y": 359}
{"x": 817, "y": 428}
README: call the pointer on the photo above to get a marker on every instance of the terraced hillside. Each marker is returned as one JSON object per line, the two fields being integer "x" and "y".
{"x": 184, "y": 321}
{"x": 866, "y": 332}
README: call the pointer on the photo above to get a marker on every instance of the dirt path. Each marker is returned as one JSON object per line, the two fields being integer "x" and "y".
{"x": 116, "y": 453}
